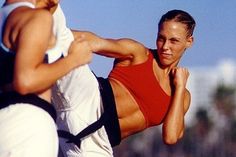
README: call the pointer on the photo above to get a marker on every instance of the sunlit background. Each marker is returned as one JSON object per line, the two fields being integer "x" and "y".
{"x": 211, "y": 123}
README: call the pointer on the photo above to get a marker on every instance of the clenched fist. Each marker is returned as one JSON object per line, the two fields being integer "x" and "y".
{"x": 80, "y": 51}
{"x": 180, "y": 76}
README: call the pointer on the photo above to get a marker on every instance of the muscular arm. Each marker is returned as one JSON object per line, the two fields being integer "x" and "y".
{"x": 173, "y": 126}
{"x": 121, "y": 49}
{"x": 31, "y": 75}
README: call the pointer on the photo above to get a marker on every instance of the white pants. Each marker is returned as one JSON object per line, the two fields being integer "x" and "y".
{"x": 77, "y": 100}
{"x": 95, "y": 145}
{"x": 27, "y": 131}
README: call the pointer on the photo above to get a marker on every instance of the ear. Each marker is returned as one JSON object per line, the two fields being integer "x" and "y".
{"x": 190, "y": 41}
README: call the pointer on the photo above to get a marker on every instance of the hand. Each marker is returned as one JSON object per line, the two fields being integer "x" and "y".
{"x": 180, "y": 76}
{"x": 80, "y": 51}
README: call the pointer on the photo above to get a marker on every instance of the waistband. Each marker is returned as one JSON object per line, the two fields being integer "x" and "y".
{"x": 14, "y": 98}
{"x": 112, "y": 123}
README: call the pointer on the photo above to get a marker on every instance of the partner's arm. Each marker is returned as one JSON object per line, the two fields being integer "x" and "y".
{"x": 30, "y": 73}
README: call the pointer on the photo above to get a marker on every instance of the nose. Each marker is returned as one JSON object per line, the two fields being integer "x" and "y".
{"x": 165, "y": 45}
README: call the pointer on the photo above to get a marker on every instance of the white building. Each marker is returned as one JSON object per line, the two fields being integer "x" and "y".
{"x": 204, "y": 80}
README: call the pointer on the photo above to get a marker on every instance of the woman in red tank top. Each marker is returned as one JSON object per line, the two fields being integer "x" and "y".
{"x": 149, "y": 87}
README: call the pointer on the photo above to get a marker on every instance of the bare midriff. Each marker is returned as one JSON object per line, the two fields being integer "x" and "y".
{"x": 130, "y": 117}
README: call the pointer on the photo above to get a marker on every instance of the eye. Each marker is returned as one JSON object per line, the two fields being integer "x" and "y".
{"x": 173, "y": 40}
{"x": 160, "y": 38}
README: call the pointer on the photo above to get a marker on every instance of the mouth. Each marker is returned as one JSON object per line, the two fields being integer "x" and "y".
{"x": 165, "y": 54}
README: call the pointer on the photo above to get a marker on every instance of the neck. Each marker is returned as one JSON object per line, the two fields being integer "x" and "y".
{"x": 167, "y": 68}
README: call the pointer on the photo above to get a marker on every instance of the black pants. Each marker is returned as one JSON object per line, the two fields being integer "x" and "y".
{"x": 112, "y": 124}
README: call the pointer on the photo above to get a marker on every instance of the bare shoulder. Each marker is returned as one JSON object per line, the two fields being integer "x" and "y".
{"x": 137, "y": 49}
{"x": 37, "y": 20}
{"x": 31, "y": 15}
{"x": 24, "y": 22}
{"x": 41, "y": 16}
{"x": 133, "y": 44}
{"x": 29, "y": 20}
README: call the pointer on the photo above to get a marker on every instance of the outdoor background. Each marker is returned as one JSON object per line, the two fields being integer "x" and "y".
{"x": 215, "y": 33}
{"x": 211, "y": 126}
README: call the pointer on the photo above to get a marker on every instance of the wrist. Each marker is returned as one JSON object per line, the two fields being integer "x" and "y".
{"x": 71, "y": 61}
{"x": 180, "y": 88}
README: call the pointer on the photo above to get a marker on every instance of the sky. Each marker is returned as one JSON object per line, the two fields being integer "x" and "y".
{"x": 215, "y": 32}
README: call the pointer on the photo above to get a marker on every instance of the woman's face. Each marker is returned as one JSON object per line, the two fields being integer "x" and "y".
{"x": 172, "y": 40}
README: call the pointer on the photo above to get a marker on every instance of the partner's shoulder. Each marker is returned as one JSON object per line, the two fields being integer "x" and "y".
{"x": 39, "y": 20}
{"x": 36, "y": 28}
{"x": 42, "y": 15}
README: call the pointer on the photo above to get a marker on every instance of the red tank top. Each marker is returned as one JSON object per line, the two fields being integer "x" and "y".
{"x": 142, "y": 84}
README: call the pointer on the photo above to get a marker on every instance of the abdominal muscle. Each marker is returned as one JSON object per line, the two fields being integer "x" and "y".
{"x": 130, "y": 117}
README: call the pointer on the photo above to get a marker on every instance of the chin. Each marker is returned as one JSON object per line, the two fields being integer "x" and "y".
{"x": 164, "y": 64}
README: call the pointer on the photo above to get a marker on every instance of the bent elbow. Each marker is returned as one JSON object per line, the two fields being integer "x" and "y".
{"x": 21, "y": 86}
{"x": 171, "y": 139}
